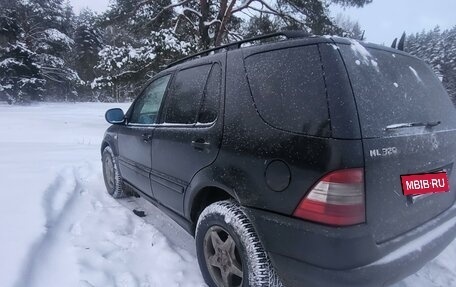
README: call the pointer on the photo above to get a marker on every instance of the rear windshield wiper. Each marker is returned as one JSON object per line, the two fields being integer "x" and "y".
{"x": 409, "y": 125}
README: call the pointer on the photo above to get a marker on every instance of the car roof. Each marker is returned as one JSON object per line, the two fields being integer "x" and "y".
{"x": 293, "y": 38}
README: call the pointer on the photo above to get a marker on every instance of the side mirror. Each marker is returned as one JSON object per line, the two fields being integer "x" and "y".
{"x": 115, "y": 116}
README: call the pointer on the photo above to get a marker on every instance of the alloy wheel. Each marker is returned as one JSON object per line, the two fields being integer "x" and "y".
{"x": 222, "y": 258}
{"x": 109, "y": 172}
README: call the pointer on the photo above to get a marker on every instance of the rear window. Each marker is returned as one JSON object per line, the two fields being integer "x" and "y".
{"x": 394, "y": 89}
{"x": 288, "y": 89}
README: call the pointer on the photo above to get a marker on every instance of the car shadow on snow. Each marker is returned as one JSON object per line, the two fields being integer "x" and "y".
{"x": 154, "y": 216}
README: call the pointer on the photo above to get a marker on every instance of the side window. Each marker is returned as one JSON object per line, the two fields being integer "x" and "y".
{"x": 289, "y": 90}
{"x": 185, "y": 94}
{"x": 146, "y": 108}
{"x": 211, "y": 99}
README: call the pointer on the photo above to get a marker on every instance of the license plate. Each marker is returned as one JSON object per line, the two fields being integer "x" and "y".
{"x": 416, "y": 184}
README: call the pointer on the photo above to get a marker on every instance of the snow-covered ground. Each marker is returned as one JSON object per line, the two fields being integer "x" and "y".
{"x": 58, "y": 226}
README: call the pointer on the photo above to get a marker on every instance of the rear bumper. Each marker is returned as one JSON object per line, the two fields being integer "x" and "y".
{"x": 306, "y": 254}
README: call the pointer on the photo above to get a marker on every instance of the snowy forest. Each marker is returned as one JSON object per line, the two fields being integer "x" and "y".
{"x": 48, "y": 53}
{"x": 438, "y": 49}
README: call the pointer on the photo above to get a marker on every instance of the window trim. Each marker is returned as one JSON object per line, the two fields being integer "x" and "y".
{"x": 160, "y": 118}
{"x": 130, "y": 110}
{"x": 220, "y": 95}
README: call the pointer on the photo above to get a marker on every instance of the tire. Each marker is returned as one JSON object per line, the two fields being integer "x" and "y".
{"x": 111, "y": 174}
{"x": 246, "y": 263}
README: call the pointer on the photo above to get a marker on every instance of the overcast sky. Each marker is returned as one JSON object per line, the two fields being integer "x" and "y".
{"x": 383, "y": 20}
{"x": 96, "y": 5}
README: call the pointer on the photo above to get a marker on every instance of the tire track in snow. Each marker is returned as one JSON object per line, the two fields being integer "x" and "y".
{"x": 90, "y": 239}
{"x": 58, "y": 199}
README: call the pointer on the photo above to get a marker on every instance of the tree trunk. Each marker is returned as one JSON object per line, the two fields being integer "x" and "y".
{"x": 203, "y": 29}
{"x": 225, "y": 20}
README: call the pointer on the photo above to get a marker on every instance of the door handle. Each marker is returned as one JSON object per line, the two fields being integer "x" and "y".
{"x": 200, "y": 144}
{"x": 147, "y": 138}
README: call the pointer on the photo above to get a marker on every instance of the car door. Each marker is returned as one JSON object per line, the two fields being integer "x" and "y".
{"x": 134, "y": 138}
{"x": 189, "y": 134}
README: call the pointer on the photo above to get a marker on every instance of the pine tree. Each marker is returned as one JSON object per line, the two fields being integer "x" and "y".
{"x": 88, "y": 43}
{"x": 448, "y": 66}
{"x": 20, "y": 80}
{"x": 134, "y": 48}
{"x": 126, "y": 68}
{"x": 438, "y": 49}
{"x": 260, "y": 25}
{"x": 212, "y": 23}
{"x": 45, "y": 25}
{"x": 47, "y": 53}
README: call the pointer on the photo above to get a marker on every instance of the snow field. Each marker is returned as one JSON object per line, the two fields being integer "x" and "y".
{"x": 59, "y": 226}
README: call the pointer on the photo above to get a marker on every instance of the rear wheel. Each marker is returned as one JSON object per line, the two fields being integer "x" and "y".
{"x": 229, "y": 251}
{"x": 111, "y": 175}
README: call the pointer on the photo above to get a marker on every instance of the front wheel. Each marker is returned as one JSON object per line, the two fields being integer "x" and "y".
{"x": 229, "y": 251}
{"x": 111, "y": 174}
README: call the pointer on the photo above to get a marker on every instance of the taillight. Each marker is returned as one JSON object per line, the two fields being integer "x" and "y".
{"x": 337, "y": 199}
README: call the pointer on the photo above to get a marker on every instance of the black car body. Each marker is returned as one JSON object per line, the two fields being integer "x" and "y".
{"x": 265, "y": 125}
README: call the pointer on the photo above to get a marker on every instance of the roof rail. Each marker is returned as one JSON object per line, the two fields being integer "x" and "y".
{"x": 236, "y": 45}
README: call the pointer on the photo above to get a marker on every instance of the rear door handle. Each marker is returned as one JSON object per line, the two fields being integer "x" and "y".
{"x": 200, "y": 144}
{"x": 147, "y": 138}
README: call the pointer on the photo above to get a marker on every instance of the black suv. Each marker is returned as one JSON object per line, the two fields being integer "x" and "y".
{"x": 309, "y": 161}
